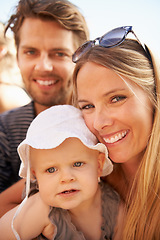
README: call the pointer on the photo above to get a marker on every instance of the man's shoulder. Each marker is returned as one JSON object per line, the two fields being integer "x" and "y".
{"x": 21, "y": 115}
{"x": 17, "y": 112}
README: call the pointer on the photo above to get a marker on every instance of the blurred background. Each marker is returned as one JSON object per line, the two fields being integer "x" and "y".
{"x": 104, "y": 15}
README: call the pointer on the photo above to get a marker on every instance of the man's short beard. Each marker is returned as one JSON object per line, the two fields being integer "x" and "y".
{"x": 61, "y": 98}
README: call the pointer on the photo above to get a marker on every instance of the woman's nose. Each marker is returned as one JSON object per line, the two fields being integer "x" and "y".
{"x": 44, "y": 63}
{"x": 102, "y": 118}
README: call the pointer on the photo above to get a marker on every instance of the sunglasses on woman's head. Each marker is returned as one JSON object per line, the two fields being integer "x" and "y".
{"x": 111, "y": 39}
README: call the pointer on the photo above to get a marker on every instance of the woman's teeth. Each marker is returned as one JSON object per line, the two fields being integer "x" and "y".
{"x": 116, "y": 138}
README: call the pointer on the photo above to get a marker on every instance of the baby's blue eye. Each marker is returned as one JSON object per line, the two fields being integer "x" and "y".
{"x": 51, "y": 170}
{"x": 78, "y": 164}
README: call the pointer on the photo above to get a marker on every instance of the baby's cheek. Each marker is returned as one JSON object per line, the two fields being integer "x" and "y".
{"x": 47, "y": 196}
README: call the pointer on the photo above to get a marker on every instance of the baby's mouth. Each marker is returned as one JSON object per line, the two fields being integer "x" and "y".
{"x": 69, "y": 191}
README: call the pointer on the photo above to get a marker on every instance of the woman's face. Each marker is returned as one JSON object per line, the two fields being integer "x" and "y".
{"x": 119, "y": 114}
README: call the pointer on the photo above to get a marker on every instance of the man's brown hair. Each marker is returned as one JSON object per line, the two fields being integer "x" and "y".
{"x": 62, "y": 11}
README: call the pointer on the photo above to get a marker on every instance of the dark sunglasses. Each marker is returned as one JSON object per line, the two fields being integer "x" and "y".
{"x": 111, "y": 39}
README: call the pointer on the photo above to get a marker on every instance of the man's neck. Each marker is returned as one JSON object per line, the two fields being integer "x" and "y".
{"x": 39, "y": 108}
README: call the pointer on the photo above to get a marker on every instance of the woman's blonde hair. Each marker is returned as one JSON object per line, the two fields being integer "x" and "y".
{"x": 143, "y": 200}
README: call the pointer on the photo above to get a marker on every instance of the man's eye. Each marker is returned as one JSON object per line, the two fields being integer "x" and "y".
{"x": 78, "y": 164}
{"x": 60, "y": 54}
{"x": 51, "y": 170}
{"x": 30, "y": 52}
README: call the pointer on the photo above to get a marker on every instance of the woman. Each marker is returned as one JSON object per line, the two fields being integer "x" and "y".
{"x": 117, "y": 87}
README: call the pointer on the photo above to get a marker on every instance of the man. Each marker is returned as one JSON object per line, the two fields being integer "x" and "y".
{"x": 46, "y": 35}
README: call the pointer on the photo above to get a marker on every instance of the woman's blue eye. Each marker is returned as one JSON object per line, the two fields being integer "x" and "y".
{"x": 87, "y": 107}
{"x": 118, "y": 98}
{"x": 51, "y": 170}
{"x": 78, "y": 164}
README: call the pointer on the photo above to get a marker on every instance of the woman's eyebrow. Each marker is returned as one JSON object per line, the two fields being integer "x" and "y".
{"x": 106, "y": 94}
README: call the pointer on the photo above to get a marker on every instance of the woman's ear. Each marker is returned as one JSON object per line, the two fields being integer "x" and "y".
{"x": 101, "y": 160}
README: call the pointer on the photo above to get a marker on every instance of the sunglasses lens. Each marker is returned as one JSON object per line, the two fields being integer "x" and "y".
{"x": 108, "y": 40}
{"x": 113, "y": 37}
{"x": 81, "y": 50}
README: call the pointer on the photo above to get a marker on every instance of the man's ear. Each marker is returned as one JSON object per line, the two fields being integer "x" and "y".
{"x": 3, "y": 51}
{"x": 101, "y": 160}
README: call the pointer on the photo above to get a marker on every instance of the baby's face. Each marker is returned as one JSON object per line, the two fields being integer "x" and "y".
{"x": 67, "y": 175}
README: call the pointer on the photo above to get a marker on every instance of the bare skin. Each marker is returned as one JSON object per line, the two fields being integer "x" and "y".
{"x": 11, "y": 196}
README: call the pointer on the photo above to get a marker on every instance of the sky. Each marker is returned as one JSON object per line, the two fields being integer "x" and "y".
{"x": 104, "y": 15}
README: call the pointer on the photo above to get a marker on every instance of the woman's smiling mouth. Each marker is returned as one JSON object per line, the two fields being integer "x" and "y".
{"x": 116, "y": 137}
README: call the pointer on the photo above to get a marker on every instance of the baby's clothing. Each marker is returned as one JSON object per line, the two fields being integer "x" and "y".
{"x": 65, "y": 230}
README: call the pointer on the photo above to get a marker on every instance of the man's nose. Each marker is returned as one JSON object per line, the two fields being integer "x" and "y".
{"x": 44, "y": 63}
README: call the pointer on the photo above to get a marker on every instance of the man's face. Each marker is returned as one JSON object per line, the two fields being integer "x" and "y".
{"x": 45, "y": 60}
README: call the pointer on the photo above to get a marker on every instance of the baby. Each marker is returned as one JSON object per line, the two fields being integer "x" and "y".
{"x": 66, "y": 161}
